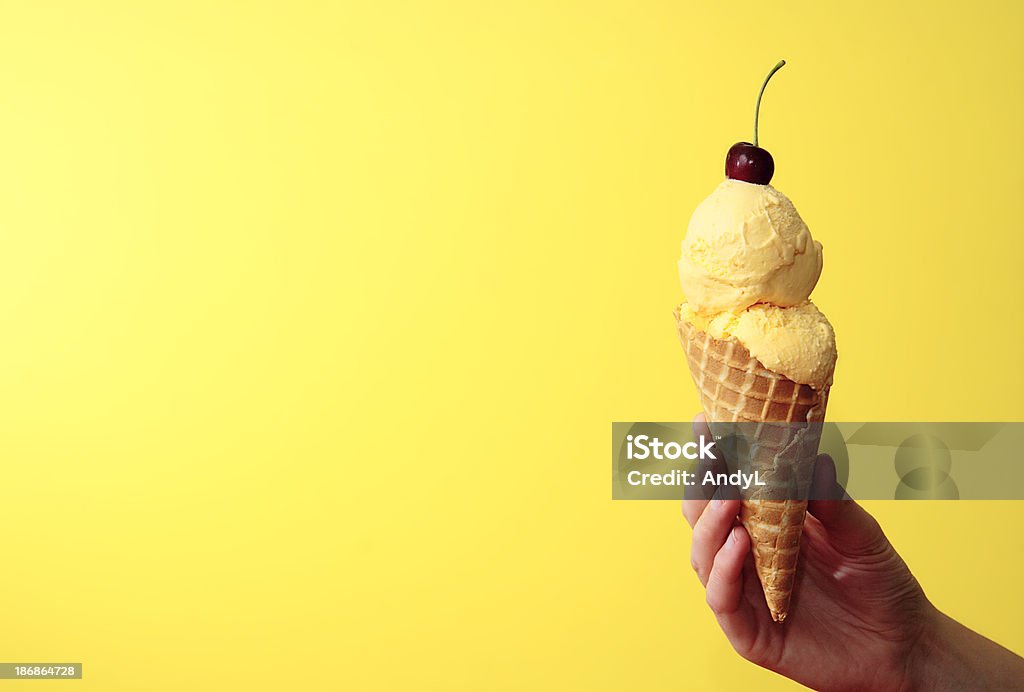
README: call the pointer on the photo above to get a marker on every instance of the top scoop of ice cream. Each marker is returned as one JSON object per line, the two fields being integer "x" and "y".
{"x": 747, "y": 244}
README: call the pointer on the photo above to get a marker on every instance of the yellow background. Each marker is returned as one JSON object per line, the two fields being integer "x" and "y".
{"x": 316, "y": 315}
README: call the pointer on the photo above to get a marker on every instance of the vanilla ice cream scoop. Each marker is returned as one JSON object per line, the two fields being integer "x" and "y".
{"x": 747, "y": 244}
{"x": 797, "y": 342}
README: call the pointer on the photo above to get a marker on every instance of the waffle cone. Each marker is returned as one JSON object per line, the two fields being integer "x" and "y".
{"x": 736, "y": 388}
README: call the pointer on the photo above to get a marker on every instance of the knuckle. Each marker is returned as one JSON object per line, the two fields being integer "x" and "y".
{"x": 695, "y": 564}
{"x": 714, "y": 601}
{"x": 691, "y": 508}
{"x": 747, "y": 652}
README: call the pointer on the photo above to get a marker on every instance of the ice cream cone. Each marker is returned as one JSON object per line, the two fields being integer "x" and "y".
{"x": 736, "y": 388}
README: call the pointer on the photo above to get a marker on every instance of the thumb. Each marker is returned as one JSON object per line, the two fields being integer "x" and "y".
{"x": 850, "y": 528}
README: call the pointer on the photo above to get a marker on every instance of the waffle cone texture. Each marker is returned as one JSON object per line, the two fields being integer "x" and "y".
{"x": 735, "y": 387}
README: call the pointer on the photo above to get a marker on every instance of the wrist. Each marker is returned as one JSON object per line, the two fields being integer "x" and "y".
{"x": 927, "y": 653}
{"x": 949, "y": 656}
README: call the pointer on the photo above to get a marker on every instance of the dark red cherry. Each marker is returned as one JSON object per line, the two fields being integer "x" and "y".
{"x": 749, "y": 163}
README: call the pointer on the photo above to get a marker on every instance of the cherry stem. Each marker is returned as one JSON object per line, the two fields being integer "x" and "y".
{"x": 757, "y": 108}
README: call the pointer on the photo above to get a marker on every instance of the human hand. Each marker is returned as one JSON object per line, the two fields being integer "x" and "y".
{"x": 857, "y": 612}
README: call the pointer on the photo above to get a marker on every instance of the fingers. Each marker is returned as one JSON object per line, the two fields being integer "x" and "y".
{"x": 692, "y": 509}
{"x": 710, "y": 534}
{"x": 725, "y": 582}
{"x": 720, "y": 549}
{"x": 696, "y": 496}
{"x": 851, "y": 530}
{"x": 700, "y": 426}
{"x": 824, "y": 485}
{"x": 732, "y": 591}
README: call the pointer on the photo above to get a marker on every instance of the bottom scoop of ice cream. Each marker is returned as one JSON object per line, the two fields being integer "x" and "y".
{"x": 797, "y": 342}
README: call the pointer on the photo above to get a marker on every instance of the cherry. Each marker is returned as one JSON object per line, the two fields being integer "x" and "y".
{"x": 749, "y": 162}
